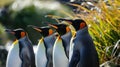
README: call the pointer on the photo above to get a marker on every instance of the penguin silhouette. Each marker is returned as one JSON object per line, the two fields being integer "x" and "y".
{"x": 61, "y": 46}
{"x": 45, "y": 47}
{"x": 21, "y": 53}
{"x": 83, "y": 50}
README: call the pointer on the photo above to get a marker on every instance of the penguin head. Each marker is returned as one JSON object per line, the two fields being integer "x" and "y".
{"x": 61, "y": 28}
{"x": 18, "y": 33}
{"x": 77, "y": 23}
{"x": 44, "y": 31}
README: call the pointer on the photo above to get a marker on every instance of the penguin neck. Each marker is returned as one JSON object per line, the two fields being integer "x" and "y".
{"x": 49, "y": 40}
{"x": 67, "y": 36}
{"x": 82, "y": 31}
{"x": 23, "y": 38}
{"x": 15, "y": 42}
{"x": 48, "y": 37}
{"x": 24, "y": 41}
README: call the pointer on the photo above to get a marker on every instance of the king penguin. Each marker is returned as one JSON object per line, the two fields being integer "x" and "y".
{"x": 61, "y": 46}
{"x": 21, "y": 53}
{"x": 65, "y": 33}
{"x": 45, "y": 47}
{"x": 84, "y": 52}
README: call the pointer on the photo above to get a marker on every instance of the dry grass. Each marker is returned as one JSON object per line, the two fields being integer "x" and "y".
{"x": 104, "y": 26}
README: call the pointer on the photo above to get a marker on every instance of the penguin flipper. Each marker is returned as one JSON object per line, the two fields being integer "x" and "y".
{"x": 24, "y": 55}
{"x": 74, "y": 59}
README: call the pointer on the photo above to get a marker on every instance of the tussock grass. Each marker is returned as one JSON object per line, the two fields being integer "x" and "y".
{"x": 104, "y": 26}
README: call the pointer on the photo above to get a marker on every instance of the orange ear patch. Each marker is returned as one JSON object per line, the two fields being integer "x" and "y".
{"x": 82, "y": 25}
{"x": 22, "y": 34}
{"x": 67, "y": 29}
{"x": 50, "y": 31}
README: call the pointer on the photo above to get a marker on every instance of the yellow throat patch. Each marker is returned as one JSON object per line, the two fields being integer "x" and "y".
{"x": 15, "y": 42}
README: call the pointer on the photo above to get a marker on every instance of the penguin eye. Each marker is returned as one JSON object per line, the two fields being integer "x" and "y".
{"x": 22, "y": 34}
{"x": 67, "y": 29}
{"x": 82, "y": 25}
{"x": 50, "y": 31}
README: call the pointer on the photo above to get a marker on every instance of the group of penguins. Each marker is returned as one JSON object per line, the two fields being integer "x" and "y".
{"x": 72, "y": 46}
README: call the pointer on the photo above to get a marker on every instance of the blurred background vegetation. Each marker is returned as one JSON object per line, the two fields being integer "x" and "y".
{"x": 102, "y": 17}
{"x": 31, "y": 12}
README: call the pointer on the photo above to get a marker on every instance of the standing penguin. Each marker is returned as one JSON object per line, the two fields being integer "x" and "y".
{"x": 21, "y": 54}
{"x": 61, "y": 46}
{"x": 84, "y": 52}
{"x": 65, "y": 33}
{"x": 45, "y": 47}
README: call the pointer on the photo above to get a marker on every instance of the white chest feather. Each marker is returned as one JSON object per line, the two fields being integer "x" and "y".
{"x": 71, "y": 48}
{"x": 13, "y": 59}
{"x": 59, "y": 56}
{"x": 40, "y": 55}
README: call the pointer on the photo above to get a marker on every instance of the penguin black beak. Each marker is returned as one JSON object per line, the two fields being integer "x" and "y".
{"x": 31, "y": 26}
{"x": 9, "y": 31}
{"x": 35, "y": 27}
{"x": 62, "y": 19}
{"x": 67, "y": 20}
{"x": 53, "y": 26}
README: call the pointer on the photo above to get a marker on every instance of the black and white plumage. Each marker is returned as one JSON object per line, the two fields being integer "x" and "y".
{"x": 61, "y": 46}
{"x": 21, "y": 54}
{"x": 83, "y": 50}
{"x": 45, "y": 47}
{"x": 65, "y": 34}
